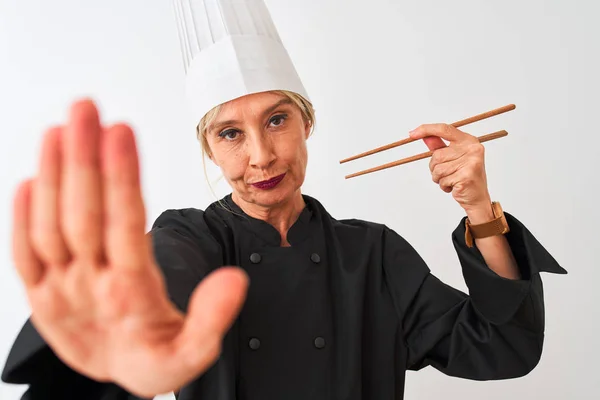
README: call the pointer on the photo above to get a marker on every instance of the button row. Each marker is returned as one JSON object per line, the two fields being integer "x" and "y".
{"x": 255, "y": 258}
{"x": 254, "y": 343}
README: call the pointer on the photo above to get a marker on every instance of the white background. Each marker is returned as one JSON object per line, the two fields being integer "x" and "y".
{"x": 374, "y": 70}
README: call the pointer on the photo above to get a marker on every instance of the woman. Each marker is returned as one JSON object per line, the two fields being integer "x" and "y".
{"x": 335, "y": 309}
{"x": 311, "y": 307}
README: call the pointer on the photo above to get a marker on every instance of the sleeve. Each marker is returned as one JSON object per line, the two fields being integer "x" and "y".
{"x": 31, "y": 361}
{"x": 495, "y": 332}
{"x": 184, "y": 258}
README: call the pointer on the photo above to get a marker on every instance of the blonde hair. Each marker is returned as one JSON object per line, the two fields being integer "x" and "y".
{"x": 305, "y": 106}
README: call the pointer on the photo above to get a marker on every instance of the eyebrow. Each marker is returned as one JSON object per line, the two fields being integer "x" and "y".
{"x": 269, "y": 110}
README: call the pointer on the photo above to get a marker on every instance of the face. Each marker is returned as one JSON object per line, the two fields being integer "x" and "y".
{"x": 259, "y": 142}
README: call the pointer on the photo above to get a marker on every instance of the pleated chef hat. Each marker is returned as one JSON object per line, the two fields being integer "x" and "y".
{"x": 230, "y": 48}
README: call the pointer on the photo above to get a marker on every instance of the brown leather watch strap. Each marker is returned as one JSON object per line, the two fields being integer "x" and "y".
{"x": 497, "y": 226}
{"x": 491, "y": 228}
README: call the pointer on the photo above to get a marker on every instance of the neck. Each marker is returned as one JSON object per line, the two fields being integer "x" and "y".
{"x": 281, "y": 216}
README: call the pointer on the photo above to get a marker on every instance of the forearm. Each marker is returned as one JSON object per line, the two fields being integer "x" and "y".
{"x": 494, "y": 249}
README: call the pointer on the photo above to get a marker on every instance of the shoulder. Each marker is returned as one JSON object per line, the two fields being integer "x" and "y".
{"x": 356, "y": 227}
{"x": 178, "y": 218}
{"x": 200, "y": 228}
{"x": 185, "y": 223}
{"x": 378, "y": 237}
{"x": 396, "y": 255}
{"x": 191, "y": 221}
{"x": 187, "y": 238}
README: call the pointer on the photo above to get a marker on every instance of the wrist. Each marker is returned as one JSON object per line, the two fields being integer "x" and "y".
{"x": 480, "y": 214}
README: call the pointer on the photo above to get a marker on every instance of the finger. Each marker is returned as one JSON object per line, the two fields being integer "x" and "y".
{"x": 46, "y": 235}
{"x": 447, "y": 183}
{"x": 443, "y": 170}
{"x": 444, "y": 155}
{"x": 126, "y": 243}
{"x": 434, "y": 143}
{"x": 444, "y": 131}
{"x": 214, "y": 306}
{"x": 28, "y": 266}
{"x": 81, "y": 191}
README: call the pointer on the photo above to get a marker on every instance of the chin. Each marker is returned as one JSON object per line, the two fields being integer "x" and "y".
{"x": 271, "y": 197}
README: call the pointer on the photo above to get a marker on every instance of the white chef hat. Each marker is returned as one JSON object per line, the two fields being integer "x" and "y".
{"x": 230, "y": 48}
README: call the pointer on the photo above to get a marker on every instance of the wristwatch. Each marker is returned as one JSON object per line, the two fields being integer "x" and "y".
{"x": 497, "y": 226}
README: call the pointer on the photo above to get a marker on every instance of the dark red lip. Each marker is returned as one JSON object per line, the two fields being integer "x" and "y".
{"x": 270, "y": 183}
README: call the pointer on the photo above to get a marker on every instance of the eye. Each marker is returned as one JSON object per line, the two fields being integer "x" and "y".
{"x": 229, "y": 134}
{"x": 277, "y": 120}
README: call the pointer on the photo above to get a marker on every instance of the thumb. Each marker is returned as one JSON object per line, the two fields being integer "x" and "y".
{"x": 214, "y": 305}
{"x": 434, "y": 142}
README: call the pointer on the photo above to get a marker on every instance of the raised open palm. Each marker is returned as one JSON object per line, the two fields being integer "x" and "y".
{"x": 98, "y": 297}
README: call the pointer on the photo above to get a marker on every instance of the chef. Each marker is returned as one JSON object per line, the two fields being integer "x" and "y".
{"x": 264, "y": 294}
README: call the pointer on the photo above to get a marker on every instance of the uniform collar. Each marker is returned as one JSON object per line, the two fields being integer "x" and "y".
{"x": 298, "y": 232}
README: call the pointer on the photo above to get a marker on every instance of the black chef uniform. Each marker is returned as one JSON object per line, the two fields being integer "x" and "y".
{"x": 341, "y": 314}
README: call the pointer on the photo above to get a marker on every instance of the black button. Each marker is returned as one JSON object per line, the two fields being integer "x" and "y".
{"x": 254, "y": 343}
{"x": 319, "y": 342}
{"x": 315, "y": 258}
{"x": 255, "y": 258}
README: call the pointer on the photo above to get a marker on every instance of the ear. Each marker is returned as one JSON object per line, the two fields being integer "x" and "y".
{"x": 306, "y": 130}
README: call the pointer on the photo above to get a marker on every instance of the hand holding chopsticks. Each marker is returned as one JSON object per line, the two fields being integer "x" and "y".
{"x": 458, "y": 168}
{"x": 411, "y": 139}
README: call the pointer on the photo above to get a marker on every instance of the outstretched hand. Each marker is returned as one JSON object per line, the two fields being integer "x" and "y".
{"x": 98, "y": 297}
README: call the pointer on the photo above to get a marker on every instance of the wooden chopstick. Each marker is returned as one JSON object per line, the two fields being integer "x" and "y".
{"x": 464, "y": 122}
{"x": 484, "y": 138}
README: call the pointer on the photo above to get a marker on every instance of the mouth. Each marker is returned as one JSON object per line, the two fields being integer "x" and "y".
{"x": 269, "y": 183}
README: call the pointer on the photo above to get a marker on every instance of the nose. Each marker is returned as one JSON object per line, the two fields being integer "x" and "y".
{"x": 262, "y": 154}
